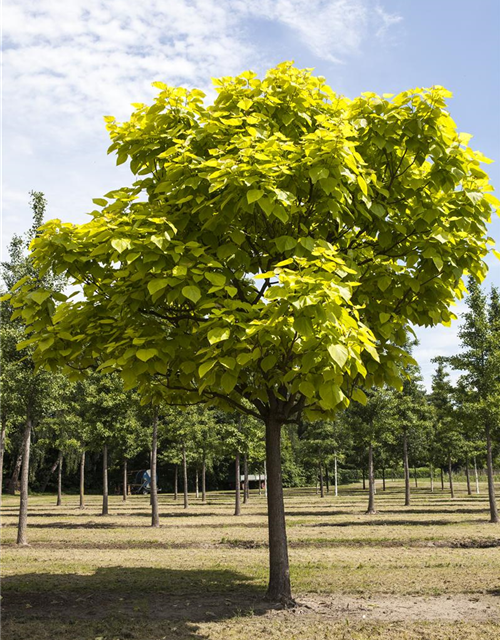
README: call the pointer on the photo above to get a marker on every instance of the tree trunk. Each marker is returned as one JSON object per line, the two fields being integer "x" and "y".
{"x": 176, "y": 475}
{"x": 406, "y": 468}
{"x": 265, "y": 478}
{"x": 23, "y": 504}
{"x": 364, "y": 479}
{"x": 155, "y": 516}
{"x": 2, "y": 450}
{"x": 125, "y": 482}
{"x": 336, "y": 476}
{"x": 416, "y": 477}
{"x": 279, "y": 589}
{"x": 204, "y": 480}
{"x": 383, "y": 478}
{"x": 491, "y": 481}
{"x": 476, "y": 476}
{"x": 246, "y": 490}
{"x": 260, "y": 484}
{"x": 59, "y": 480}
{"x": 237, "y": 477}
{"x": 431, "y": 473}
{"x": 467, "y": 475}
{"x": 371, "y": 483}
{"x": 185, "y": 473}
{"x": 321, "y": 488}
{"x": 442, "y": 479}
{"x": 327, "y": 479}
{"x": 49, "y": 473}
{"x": 82, "y": 481}
{"x": 11, "y": 488}
{"x": 105, "y": 480}
{"x": 196, "y": 483}
{"x": 450, "y": 474}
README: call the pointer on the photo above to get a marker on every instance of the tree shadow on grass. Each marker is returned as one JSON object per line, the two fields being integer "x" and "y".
{"x": 374, "y": 521}
{"x": 127, "y": 601}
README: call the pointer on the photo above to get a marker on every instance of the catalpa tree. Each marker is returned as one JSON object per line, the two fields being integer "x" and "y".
{"x": 269, "y": 255}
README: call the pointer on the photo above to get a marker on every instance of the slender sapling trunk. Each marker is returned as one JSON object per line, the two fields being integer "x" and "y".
{"x": 476, "y": 476}
{"x": 371, "y": 482}
{"x": 237, "y": 474}
{"x": 406, "y": 469}
{"x": 105, "y": 480}
{"x": 450, "y": 474}
{"x": 59, "y": 480}
{"x": 246, "y": 489}
{"x": 321, "y": 488}
{"x": 11, "y": 488}
{"x": 336, "y": 476}
{"x": 125, "y": 483}
{"x": 185, "y": 472}
{"x": 491, "y": 481}
{"x": 204, "y": 480}
{"x": 22, "y": 539}
{"x": 82, "y": 481}
{"x": 176, "y": 481}
{"x": 467, "y": 475}
{"x": 155, "y": 515}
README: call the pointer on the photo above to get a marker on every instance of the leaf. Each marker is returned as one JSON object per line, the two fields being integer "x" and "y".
{"x": 204, "y": 368}
{"x": 228, "y": 381}
{"x": 268, "y": 362}
{"x": 438, "y": 262}
{"x": 217, "y": 279}
{"x": 192, "y": 293}
{"x": 120, "y": 244}
{"x": 146, "y": 354}
{"x": 359, "y": 396}
{"x": 40, "y": 296}
{"x": 100, "y": 202}
{"x": 253, "y": 195}
{"x": 267, "y": 205}
{"x": 338, "y": 354}
{"x": 318, "y": 172}
{"x": 157, "y": 285}
{"x": 384, "y": 317}
{"x": 330, "y": 394}
{"x": 307, "y": 388}
{"x": 45, "y": 344}
{"x": 362, "y": 184}
{"x": 122, "y": 157}
{"x": 218, "y": 335}
{"x": 285, "y": 243}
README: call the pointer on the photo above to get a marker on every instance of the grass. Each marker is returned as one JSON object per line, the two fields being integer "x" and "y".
{"x": 431, "y": 570}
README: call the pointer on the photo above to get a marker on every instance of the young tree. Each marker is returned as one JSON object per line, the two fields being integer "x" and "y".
{"x": 480, "y": 359}
{"x": 270, "y": 253}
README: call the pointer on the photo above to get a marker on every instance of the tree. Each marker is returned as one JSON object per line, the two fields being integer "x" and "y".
{"x": 480, "y": 360}
{"x": 270, "y": 253}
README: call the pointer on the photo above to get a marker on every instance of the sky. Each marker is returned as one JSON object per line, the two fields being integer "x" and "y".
{"x": 68, "y": 63}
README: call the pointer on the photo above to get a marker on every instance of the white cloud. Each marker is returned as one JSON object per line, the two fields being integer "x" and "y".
{"x": 69, "y": 62}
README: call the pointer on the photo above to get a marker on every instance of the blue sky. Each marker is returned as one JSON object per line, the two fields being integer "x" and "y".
{"x": 66, "y": 64}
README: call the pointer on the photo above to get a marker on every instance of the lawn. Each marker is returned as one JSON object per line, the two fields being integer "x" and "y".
{"x": 431, "y": 570}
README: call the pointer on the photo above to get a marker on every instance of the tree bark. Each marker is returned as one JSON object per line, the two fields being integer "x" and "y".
{"x": 105, "y": 511}
{"x": 321, "y": 488}
{"x": 383, "y": 478}
{"x": 336, "y": 476}
{"x": 246, "y": 489}
{"x": 260, "y": 484}
{"x": 11, "y": 487}
{"x": 49, "y": 473}
{"x": 59, "y": 480}
{"x": 176, "y": 477}
{"x": 185, "y": 473}
{"x": 407, "y": 469}
{"x": 22, "y": 539}
{"x": 327, "y": 479}
{"x": 450, "y": 474}
{"x": 442, "y": 479}
{"x": 467, "y": 475}
{"x": 431, "y": 473}
{"x": 371, "y": 482}
{"x": 476, "y": 475}
{"x": 364, "y": 479}
{"x": 279, "y": 589}
{"x": 2, "y": 451}
{"x": 237, "y": 474}
{"x": 196, "y": 483}
{"x": 265, "y": 478}
{"x": 491, "y": 480}
{"x": 125, "y": 482}
{"x": 204, "y": 480}
{"x": 82, "y": 481}
{"x": 416, "y": 477}
{"x": 155, "y": 516}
